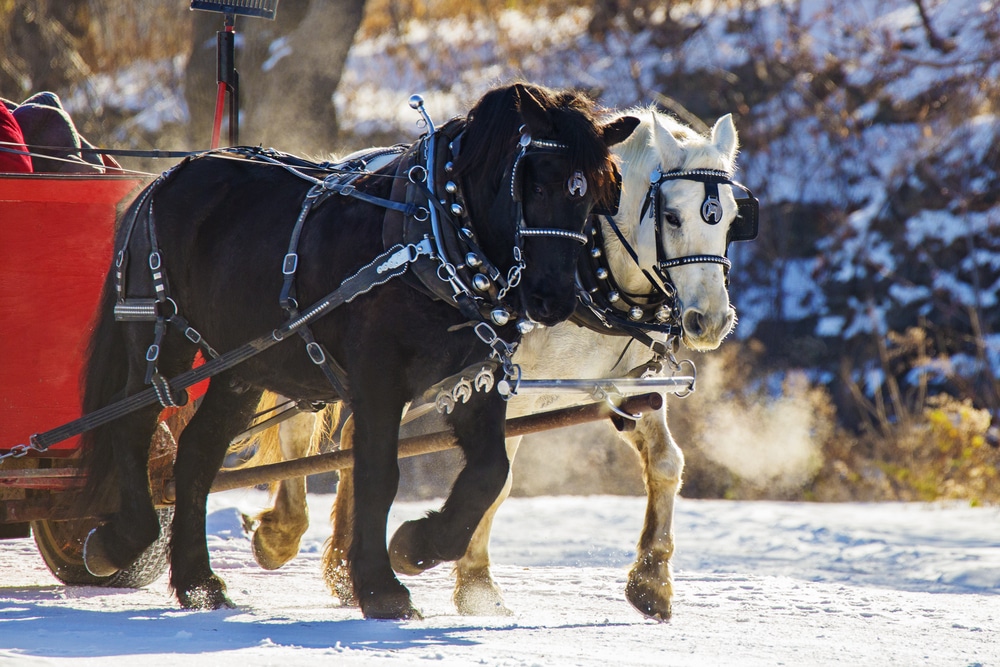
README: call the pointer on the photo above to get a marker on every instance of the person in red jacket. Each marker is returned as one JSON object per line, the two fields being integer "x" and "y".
{"x": 13, "y": 153}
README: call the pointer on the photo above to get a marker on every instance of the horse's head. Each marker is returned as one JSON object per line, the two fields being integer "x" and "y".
{"x": 681, "y": 213}
{"x": 536, "y": 162}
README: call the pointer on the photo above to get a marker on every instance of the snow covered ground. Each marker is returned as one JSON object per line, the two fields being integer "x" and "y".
{"x": 758, "y": 583}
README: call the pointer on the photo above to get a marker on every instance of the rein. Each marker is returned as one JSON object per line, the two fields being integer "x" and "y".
{"x": 390, "y": 264}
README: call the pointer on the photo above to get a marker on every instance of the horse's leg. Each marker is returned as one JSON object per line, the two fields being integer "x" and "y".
{"x": 650, "y": 581}
{"x": 224, "y": 412}
{"x": 279, "y": 529}
{"x": 445, "y": 535}
{"x": 336, "y": 572}
{"x": 476, "y": 594}
{"x": 119, "y": 542}
{"x": 377, "y": 411}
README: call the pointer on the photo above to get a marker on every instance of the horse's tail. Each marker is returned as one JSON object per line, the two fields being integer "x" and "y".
{"x": 105, "y": 376}
{"x": 104, "y": 379}
{"x": 265, "y": 448}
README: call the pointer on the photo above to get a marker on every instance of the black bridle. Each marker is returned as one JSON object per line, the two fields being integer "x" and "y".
{"x": 577, "y": 184}
{"x": 744, "y": 227}
{"x": 657, "y": 311}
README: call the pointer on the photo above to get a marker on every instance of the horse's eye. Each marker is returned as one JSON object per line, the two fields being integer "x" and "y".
{"x": 672, "y": 219}
{"x": 538, "y": 190}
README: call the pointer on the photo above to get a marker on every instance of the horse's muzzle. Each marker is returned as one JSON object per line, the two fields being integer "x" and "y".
{"x": 549, "y": 311}
{"x": 706, "y": 331}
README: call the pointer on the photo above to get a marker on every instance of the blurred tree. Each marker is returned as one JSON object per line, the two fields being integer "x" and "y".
{"x": 40, "y": 45}
{"x": 289, "y": 69}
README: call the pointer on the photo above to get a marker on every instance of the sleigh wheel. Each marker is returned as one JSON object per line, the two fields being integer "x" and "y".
{"x": 61, "y": 546}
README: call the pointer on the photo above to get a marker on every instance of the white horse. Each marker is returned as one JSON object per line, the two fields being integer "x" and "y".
{"x": 666, "y": 276}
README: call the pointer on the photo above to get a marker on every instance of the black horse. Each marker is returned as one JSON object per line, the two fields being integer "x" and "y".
{"x": 433, "y": 263}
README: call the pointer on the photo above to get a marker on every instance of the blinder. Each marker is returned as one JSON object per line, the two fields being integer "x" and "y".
{"x": 527, "y": 143}
{"x": 745, "y": 226}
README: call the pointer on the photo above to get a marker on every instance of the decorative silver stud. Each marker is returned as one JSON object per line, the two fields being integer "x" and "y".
{"x": 635, "y": 313}
{"x": 500, "y": 317}
{"x": 472, "y": 259}
{"x": 614, "y": 297}
{"x": 524, "y": 326}
{"x": 450, "y": 187}
{"x": 449, "y": 166}
{"x": 595, "y": 252}
{"x": 467, "y": 232}
{"x": 602, "y": 274}
{"x": 481, "y": 282}
{"x": 457, "y": 210}
{"x": 663, "y": 314}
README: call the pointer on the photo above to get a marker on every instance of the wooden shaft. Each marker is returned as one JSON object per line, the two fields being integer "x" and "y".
{"x": 424, "y": 444}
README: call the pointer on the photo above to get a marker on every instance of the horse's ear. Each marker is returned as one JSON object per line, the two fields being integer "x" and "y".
{"x": 724, "y": 136}
{"x": 533, "y": 113}
{"x": 670, "y": 150}
{"x": 619, "y": 130}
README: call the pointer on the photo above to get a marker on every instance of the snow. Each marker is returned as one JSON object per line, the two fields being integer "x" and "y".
{"x": 757, "y": 583}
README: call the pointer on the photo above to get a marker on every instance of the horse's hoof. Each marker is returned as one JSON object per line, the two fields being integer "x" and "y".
{"x": 96, "y": 558}
{"x": 480, "y": 597}
{"x": 402, "y": 549}
{"x": 338, "y": 580}
{"x": 390, "y": 607}
{"x": 268, "y": 555}
{"x": 208, "y": 596}
{"x": 650, "y": 596}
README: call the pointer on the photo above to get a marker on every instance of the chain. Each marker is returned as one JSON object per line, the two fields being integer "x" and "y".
{"x": 513, "y": 277}
{"x": 17, "y": 451}
{"x": 502, "y": 352}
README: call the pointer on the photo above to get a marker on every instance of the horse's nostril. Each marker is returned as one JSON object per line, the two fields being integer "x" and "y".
{"x": 548, "y": 311}
{"x": 694, "y": 322}
{"x": 540, "y": 307}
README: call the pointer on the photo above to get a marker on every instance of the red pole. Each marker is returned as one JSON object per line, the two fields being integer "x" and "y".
{"x": 226, "y": 77}
{"x": 220, "y": 102}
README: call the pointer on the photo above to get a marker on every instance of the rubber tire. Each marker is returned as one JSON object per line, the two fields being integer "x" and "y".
{"x": 61, "y": 546}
